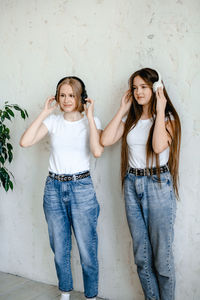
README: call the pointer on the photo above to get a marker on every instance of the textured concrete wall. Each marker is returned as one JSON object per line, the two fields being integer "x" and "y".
{"x": 103, "y": 42}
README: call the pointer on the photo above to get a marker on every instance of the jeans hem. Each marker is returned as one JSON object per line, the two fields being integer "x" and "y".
{"x": 62, "y": 291}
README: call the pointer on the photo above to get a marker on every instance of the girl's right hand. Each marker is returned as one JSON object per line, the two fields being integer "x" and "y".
{"x": 48, "y": 107}
{"x": 126, "y": 102}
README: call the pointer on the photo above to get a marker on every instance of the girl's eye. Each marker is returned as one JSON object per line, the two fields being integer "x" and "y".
{"x": 62, "y": 95}
{"x": 71, "y": 95}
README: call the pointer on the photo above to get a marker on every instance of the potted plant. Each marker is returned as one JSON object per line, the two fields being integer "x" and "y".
{"x": 6, "y": 148}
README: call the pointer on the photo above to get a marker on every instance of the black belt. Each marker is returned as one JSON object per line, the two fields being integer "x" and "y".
{"x": 69, "y": 177}
{"x": 148, "y": 171}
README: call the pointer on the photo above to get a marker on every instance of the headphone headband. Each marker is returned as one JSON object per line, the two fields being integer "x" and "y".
{"x": 84, "y": 92}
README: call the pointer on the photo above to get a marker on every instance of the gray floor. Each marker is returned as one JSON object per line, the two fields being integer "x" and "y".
{"x": 18, "y": 288}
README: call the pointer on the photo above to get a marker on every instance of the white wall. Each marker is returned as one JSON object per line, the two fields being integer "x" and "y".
{"x": 103, "y": 42}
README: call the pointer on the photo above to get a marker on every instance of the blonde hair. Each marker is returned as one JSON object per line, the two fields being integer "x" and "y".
{"x": 77, "y": 90}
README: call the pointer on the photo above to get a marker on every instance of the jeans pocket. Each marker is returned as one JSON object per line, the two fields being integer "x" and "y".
{"x": 85, "y": 181}
{"x": 164, "y": 178}
{"x": 49, "y": 180}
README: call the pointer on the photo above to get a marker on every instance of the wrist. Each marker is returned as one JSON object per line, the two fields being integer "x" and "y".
{"x": 44, "y": 114}
{"x": 121, "y": 112}
{"x": 161, "y": 113}
{"x": 90, "y": 116}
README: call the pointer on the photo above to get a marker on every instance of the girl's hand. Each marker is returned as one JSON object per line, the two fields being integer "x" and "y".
{"x": 126, "y": 102}
{"x": 89, "y": 109}
{"x": 48, "y": 107}
{"x": 161, "y": 100}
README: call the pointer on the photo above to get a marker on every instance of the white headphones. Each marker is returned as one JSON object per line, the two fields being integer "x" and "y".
{"x": 158, "y": 83}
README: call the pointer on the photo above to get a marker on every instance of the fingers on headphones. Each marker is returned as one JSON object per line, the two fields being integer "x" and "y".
{"x": 83, "y": 101}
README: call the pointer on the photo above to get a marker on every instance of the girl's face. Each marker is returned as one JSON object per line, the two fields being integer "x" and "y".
{"x": 67, "y": 98}
{"x": 142, "y": 91}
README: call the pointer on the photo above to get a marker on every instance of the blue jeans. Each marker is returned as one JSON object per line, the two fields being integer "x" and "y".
{"x": 73, "y": 204}
{"x": 151, "y": 208}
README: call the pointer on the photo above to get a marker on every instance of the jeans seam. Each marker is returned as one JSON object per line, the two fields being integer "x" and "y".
{"x": 147, "y": 271}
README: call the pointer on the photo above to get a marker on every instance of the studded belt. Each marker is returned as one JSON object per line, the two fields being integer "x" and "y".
{"x": 69, "y": 177}
{"x": 148, "y": 171}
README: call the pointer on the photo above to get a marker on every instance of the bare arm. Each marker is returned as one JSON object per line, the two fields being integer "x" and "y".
{"x": 37, "y": 130}
{"x": 115, "y": 129}
{"x": 95, "y": 146}
{"x": 161, "y": 138}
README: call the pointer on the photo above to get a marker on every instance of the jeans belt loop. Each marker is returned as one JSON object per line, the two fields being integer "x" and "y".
{"x": 74, "y": 177}
{"x": 136, "y": 171}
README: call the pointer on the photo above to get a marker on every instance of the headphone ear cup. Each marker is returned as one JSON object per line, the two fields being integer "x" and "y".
{"x": 83, "y": 97}
{"x": 83, "y": 101}
{"x": 157, "y": 83}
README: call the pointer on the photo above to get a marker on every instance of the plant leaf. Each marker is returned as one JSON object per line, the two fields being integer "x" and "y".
{"x": 9, "y": 146}
{"x": 11, "y": 184}
{"x": 2, "y": 118}
{"x": 7, "y": 115}
{"x": 16, "y": 107}
{"x": 10, "y": 156}
{"x": 10, "y": 112}
{"x": 2, "y": 160}
{"x": 23, "y": 114}
{"x": 26, "y": 113}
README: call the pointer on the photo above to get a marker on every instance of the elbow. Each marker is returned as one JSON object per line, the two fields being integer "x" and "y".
{"x": 104, "y": 143}
{"x": 98, "y": 153}
{"x": 23, "y": 144}
{"x": 159, "y": 149}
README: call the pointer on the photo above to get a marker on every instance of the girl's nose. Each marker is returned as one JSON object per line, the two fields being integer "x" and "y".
{"x": 139, "y": 91}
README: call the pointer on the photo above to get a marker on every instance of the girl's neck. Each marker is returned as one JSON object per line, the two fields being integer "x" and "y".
{"x": 73, "y": 116}
{"x": 145, "y": 113}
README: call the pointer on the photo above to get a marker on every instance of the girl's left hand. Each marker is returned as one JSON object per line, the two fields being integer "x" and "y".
{"x": 161, "y": 100}
{"x": 89, "y": 108}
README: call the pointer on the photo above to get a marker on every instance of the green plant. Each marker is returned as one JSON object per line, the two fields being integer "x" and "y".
{"x": 6, "y": 149}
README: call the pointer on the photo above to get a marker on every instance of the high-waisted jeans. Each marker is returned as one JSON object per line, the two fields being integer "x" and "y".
{"x": 151, "y": 209}
{"x": 73, "y": 204}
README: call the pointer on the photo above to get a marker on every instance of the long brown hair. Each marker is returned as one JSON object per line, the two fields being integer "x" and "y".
{"x": 134, "y": 114}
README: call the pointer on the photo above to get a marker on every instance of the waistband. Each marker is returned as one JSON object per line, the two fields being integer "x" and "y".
{"x": 148, "y": 171}
{"x": 73, "y": 177}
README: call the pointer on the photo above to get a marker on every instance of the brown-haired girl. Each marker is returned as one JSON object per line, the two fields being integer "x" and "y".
{"x": 69, "y": 197}
{"x": 150, "y": 130}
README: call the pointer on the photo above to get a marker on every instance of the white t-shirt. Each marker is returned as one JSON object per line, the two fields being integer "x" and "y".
{"x": 70, "y": 148}
{"x": 137, "y": 140}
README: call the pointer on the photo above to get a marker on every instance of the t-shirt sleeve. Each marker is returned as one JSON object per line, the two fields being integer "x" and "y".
{"x": 48, "y": 122}
{"x": 98, "y": 123}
